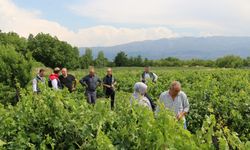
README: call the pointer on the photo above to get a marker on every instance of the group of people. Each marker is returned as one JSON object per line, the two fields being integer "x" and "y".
{"x": 173, "y": 99}
{"x": 66, "y": 80}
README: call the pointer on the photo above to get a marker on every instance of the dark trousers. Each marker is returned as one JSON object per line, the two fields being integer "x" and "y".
{"x": 111, "y": 94}
{"x": 151, "y": 101}
{"x": 91, "y": 97}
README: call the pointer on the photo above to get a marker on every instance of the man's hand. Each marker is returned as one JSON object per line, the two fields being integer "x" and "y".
{"x": 106, "y": 85}
{"x": 181, "y": 115}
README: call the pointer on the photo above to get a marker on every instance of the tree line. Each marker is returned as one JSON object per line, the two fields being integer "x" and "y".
{"x": 18, "y": 55}
{"x": 52, "y": 52}
{"x": 229, "y": 61}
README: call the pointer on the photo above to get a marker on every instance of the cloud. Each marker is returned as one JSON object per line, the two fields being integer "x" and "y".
{"x": 108, "y": 35}
{"x": 185, "y": 18}
{"x": 25, "y": 22}
{"x": 225, "y": 17}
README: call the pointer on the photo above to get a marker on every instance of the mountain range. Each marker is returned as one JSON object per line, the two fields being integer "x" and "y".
{"x": 183, "y": 48}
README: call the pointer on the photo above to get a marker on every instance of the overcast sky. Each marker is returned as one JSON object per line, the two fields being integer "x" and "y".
{"x": 111, "y": 22}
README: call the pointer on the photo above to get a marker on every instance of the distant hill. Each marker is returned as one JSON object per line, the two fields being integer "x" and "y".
{"x": 184, "y": 48}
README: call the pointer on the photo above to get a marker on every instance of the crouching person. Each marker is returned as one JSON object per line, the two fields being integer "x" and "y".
{"x": 176, "y": 100}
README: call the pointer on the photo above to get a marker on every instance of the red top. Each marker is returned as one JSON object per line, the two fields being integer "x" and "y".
{"x": 54, "y": 76}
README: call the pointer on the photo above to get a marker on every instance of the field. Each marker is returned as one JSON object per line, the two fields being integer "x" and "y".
{"x": 219, "y": 116}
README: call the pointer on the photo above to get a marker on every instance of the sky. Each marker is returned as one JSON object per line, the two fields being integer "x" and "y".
{"x": 89, "y": 23}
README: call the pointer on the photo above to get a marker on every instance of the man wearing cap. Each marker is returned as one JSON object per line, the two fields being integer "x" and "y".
{"x": 91, "y": 82}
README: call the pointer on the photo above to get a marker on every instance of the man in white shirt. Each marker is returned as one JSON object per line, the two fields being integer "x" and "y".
{"x": 39, "y": 79}
{"x": 176, "y": 100}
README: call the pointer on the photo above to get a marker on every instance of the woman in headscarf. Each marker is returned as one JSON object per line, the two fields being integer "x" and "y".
{"x": 139, "y": 95}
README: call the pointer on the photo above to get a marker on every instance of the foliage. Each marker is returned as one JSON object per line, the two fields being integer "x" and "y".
{"x": 15, "y": 72}
{"x": 101, "y": 61}
{"x": 230, "y": 62}
{"x": 11, "y": 38}
{"x": 53, "y": 52}
{"x": 87, "y": 59}
{"x": 223, "y": 93}
{"x": 14, "y": 68}
{"x": 247, "y": 62}
{"x": 121, "y": 59}
{"x": 60, "y": 120}
{"x": 63, "y": 121}
{"x": 7, "y": 94}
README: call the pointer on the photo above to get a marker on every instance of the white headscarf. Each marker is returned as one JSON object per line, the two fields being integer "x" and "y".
{"x": 139, "y": 91}
{"x": 140, "y": 88}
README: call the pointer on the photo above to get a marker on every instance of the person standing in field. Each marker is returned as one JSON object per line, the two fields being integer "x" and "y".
{"x": 109, "y": 83}
{"x": 176, "y": 100}
{"x": 91, "y": 82}
{"x": 140, "y": 90}
{"x": 146, "y": 76}
{"x": 67, "y": 80}
{"x": 39, "y": 79}
{"x": 54, "y": 81}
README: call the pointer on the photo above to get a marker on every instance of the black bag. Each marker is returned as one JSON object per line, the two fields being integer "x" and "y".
{"x": 49, "y": 83}
{"x": 153, "y": 105}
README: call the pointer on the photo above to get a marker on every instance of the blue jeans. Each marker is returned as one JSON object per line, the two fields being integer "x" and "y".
{"x": 91, "y": 96}
{"x": 185, "y": 124}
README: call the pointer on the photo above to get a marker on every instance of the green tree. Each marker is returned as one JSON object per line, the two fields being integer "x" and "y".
{"x": 87, "y": 59}
{"x": 101, "y": 60}
{"x": 121, "y": 59}
{"x": 18, "y": 43}
{"x": 171, "y": 62}
{"x": 247, "y": 62}
{"x": 52, "y": 52}
{"x": 148, "y": 62}
{"x": 139, "y": 61}
{"x": 230, "y": 61}
{"x": 15, "y": 72}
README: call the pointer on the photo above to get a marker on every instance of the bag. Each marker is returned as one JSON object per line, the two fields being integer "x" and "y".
{"x": 153, "y": 105}
{"x": 49, "y": 83}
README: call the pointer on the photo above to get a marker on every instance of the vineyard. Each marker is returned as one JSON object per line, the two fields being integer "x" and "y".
{"x": 219, "y": 116}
